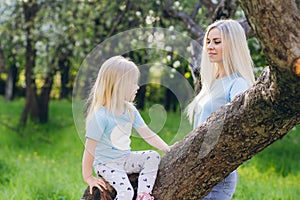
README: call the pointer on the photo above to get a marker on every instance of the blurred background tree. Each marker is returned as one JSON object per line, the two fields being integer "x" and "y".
{"x": 43, "y": 44}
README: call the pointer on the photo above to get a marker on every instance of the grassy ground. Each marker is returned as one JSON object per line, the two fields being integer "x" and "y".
{"x": 44, "y": 161}
{"x": 40, "y": 161}
{"x": 274, "y": 173}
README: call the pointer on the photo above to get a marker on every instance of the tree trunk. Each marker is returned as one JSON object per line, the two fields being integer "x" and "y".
{"x": 2, "y": 59}
{"x": 10, "y": 85}
{"x": 252, "y": 121}
{"x": 141, "y": 95}
{"x": 170, "y": 100}
{"x": 31, "y": 101}
{"x": 64, "y": 68}
{"x": 45, "y": 97}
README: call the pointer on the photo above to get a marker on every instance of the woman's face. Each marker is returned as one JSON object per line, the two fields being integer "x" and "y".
{"x": 214, "y": 46}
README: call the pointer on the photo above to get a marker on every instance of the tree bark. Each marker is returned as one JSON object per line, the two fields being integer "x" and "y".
{"x": 37, "y": 107}
{"x": 44, "y": 98}
{"x": 225, "y": 9}
{"x": 10, "y": 84}
{"x": 64, "y": 64}
{"x": 252, "y": 121}
{"x": 31, "y": 102}
{"x": 2, "y": 59}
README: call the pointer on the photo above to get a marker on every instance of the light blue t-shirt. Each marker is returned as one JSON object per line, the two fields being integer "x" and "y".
{"x": 112, "y": 132}
{"x": 222, "y": 91}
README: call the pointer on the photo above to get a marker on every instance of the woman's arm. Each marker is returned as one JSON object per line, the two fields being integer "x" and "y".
{"x": 152, "y": 138}
{"x": 87, "y": 166}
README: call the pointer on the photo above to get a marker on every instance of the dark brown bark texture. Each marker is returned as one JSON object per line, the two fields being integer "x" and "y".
{"x": 31, "y": 101}
{"x": 252, "y": 121}
{"x": 2, "y": 59}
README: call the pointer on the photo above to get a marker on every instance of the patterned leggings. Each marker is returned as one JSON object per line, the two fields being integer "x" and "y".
{"x": 143, "y": 162}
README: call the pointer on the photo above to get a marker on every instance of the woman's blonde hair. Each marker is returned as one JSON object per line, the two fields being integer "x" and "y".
{"x": 235, "y": 55}
{"x": 112, "y": 88}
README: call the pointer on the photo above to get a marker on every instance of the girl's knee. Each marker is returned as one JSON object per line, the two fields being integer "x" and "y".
{"x": 153, "y": 155}
{"x": 152, "y": 158}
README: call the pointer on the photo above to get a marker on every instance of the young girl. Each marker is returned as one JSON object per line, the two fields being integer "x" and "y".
{"x": 110, "y": 119}
{"x": 226, "y": 71}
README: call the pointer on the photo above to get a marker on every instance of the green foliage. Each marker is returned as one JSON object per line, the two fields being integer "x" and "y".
{"x": 159, "y": 61}
{"x": 65, "y": 32}
{"x": 44, "y": 161}
{"x": 257, "y": 56}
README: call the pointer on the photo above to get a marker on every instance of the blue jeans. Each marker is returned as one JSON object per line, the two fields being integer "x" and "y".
{"x": 225, "y": 189}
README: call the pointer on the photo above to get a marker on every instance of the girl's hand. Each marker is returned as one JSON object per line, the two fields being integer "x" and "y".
{"x": 168, "y": 149}
{"x": 172, "y": 146}
{"x": 96, "y": 182}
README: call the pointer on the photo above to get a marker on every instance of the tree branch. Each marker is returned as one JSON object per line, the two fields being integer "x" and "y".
{"x": 196, "y": 9}
{"x": 119, "y": 17}
{"x": 211, "y": 7}
{"x": 189, "y": 23}
{"x": 277, "y": 28}
{"x": 225, "y": 9}
{"x": 216, "y": 148}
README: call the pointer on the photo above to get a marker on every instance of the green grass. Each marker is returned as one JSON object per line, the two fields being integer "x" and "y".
{"x": 274, "y": 173}
{"x": 40, "y": 161}
{"x": 44, "y": 161}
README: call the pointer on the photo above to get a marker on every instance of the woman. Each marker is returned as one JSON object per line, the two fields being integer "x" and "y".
{"x": 226, "y": 70}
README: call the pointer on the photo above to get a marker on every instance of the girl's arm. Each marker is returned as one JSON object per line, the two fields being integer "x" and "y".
{"x": 87, "y": 166}
{"x": 152, "y": 138}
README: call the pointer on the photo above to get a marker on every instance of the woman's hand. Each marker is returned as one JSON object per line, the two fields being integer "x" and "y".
{"x": 96, "y": 182}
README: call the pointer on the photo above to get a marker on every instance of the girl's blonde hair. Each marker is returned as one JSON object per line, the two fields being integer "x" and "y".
{"x": 112, "y": 88}
{"x": 236, "y": 59}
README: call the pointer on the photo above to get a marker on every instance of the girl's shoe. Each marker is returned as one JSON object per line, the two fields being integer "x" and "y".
{"x": 145, "y": 196}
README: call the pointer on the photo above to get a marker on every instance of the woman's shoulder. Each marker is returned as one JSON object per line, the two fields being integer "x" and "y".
{"x": 237, "y": 86}
{"x": 239, "y": 81}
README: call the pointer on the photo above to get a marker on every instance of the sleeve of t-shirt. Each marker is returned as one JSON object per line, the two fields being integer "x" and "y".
{"x": 138, "y": 120}
{"x": 95, "y": 127}
{"x": 239, "y": 86}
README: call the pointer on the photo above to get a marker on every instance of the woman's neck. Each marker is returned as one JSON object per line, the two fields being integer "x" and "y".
{"x": 221, "y": 71}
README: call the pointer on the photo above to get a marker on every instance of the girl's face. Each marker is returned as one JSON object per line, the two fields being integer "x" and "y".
{"x": 133, "y": 89}
{"x": 214, "y": 46}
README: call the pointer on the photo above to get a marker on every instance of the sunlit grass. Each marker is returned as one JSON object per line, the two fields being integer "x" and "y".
{"x": 44, "y": 161}
{"x": 40, "y": 161}
{"x": 274, "y": 173}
